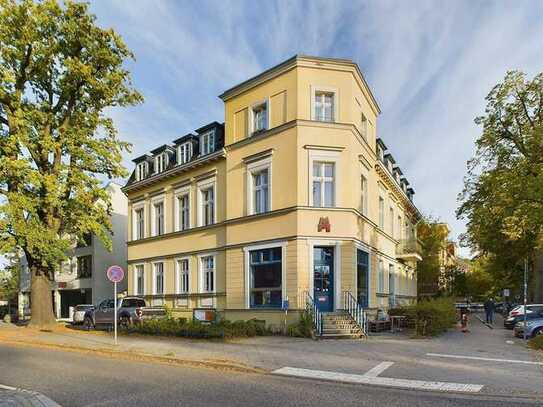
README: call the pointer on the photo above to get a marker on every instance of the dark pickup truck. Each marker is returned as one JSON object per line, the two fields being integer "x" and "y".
{"x": 130, "y": 310}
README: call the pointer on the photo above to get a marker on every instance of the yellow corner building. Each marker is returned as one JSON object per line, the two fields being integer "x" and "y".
{"x": 292, "y": 201}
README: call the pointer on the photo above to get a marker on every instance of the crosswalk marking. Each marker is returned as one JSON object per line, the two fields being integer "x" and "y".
{"x": 379, "y": 381}
{"x": 526, "y": 362}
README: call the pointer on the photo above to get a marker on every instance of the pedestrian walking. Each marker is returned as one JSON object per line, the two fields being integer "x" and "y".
{"x": 489, "y": 310}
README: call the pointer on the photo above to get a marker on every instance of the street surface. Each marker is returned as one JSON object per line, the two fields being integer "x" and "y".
{"x": 73, "y": 379}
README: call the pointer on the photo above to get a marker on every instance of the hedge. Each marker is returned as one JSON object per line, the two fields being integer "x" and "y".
{"x": 303, "y": 328}
{"x": 429, "y": 317}
{"x": 182, "y": 327}
{"x": 537, "y": 342}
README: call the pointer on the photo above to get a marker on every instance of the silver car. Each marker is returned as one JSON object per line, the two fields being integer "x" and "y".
{"x": 130, "y": 310}
{"x": 79, "y": 313}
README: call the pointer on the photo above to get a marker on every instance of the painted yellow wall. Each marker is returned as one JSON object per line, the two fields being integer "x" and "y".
{"x": 290, "y": 144}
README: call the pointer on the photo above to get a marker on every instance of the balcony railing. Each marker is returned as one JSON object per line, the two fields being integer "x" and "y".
{"x": 409, "y": 248}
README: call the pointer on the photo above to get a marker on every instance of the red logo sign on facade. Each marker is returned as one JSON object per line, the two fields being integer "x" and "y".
{"x": 324, "y": 224}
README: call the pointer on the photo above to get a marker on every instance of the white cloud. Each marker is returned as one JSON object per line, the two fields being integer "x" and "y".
{"x": 429, "y": 64}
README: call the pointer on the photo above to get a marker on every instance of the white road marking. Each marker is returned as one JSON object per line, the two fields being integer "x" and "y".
{"x": 3, "y": 387}
{"x": 380, "y": 381}
{"x": 526, "y": 362}
{"x": 377, "y": 370}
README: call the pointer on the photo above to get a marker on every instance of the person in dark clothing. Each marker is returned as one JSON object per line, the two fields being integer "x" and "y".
{"x": 489, "y": 310}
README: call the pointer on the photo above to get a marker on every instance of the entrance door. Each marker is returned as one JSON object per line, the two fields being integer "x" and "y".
{"x": 323, "y": 278}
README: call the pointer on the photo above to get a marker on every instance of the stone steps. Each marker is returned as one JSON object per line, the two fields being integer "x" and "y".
{"x": 339, "y": 325}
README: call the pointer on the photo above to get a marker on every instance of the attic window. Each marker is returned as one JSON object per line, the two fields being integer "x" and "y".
{"x": 184, "y": 153}
{"x": 207, "y": 142}
{"x": 161, "y": 162}
{"x": 142, "y": 169}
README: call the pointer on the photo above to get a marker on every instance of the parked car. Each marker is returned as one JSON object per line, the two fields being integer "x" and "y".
{"x": 79, "y": 313}
{"x": 534, "y": 327}
{"x": 519, "y": 309}
{"x": 130, "y": 310}
{"x": 511, "y": 321}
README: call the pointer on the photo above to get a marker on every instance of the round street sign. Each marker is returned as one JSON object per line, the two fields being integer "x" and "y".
{"x": 115, "y": 274}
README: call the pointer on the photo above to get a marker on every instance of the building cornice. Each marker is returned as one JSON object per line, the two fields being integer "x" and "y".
{"x": 174, "y": 171}
{"x": 291, "y": 63}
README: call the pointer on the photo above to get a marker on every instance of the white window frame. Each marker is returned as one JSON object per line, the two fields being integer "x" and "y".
{"x": 161, "y": 162}
{"x": 185, "y": 191}
{"x": 392, "y": 268}
{"x": 335, "y": 102}
{"x": 154, "y": 202}
{"x": 254, "y": 106}
{"x": 364, "y": 193}
{"x": 201, "y": 187}
{"x": 328, "y": 157}
{"x": 381, "y": 276}
{"x": 363, "y": 126}
{"x": 135, "y": 274}
{"x": 381, "y": 212}
{"x": 135, "y": 207}
{"x": 207, "y": 142}
{"x": 201, "y": 276}
{"x": 178, "y": 272}
{"x": 163, "y": 277}
{"x": 252, "y": 169}
{"x": 392, "y": 220}
{"x": 142, "y": 170}
{"x": 184, "y": 153}
{"x": 246, "y": 251}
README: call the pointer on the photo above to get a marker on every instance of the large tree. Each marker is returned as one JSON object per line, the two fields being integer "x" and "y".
{"x": 502, "y": 200}
{"x": 59, "y": 73}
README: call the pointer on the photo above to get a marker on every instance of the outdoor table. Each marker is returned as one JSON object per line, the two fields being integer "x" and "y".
{"x": 398, "y": 318}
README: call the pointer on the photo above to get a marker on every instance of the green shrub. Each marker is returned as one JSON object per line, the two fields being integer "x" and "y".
{"x": 182, "y": 327}
{"x": 303, "y": 328}
{"x": 536, "y": 343}
{"x": 429, "y": 317}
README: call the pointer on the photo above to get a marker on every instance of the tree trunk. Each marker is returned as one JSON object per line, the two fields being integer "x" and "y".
{"x": 41, "y": 300}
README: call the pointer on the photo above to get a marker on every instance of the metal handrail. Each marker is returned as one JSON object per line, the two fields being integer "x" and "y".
{"x": 355, "y": 310}
{"x": 312, "y": 308}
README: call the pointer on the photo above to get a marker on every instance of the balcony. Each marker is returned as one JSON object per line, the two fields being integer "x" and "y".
{"x": 409, "y": 250}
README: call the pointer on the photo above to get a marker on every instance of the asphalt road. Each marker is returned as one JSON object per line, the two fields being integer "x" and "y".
{"x": 74, "y": 379}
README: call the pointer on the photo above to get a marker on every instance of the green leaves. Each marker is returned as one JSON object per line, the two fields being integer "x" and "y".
{"x": 502, "y": 199}
{"x": 59, "y": 72}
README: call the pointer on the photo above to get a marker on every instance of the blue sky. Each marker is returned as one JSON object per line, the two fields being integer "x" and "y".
{"x": 430, "y": 65}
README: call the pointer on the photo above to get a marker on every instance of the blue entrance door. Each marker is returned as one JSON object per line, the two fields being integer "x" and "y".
{"x": 323, "y": 278}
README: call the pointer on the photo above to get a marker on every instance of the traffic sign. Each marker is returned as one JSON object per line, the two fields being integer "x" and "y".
{"x": 115, "y": 274}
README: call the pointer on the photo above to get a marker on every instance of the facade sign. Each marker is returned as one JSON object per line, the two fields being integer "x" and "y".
{"x": 324, "y": 224}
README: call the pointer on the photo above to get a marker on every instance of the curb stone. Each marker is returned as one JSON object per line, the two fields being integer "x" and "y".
{"x": 10, "y": 396}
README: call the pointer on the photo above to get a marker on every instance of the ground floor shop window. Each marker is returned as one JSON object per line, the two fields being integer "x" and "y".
{"x": 362, "y": 271}
{"x": 265, "y": 270}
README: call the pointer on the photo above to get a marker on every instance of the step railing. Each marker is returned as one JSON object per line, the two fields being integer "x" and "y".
{"x": 312, "y": 308}
{"x": 355, "y": 310}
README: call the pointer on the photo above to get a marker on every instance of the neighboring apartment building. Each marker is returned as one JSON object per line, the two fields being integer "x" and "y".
{"x": 82, "y": 278}
{"x": 293, "y": 195}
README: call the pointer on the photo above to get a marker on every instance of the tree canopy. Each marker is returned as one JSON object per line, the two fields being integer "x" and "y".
{"x": 502, "y": 199}
{"x": 59, "y": 72}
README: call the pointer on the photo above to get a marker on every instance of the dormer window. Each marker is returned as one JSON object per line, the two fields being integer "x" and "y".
{"x": 161, "y": 162}
{"x": 142, "y": 169}
{"x": 207, "y": 142}
{"x": 184, "y": 153}
{"x": 260, "y": 117}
